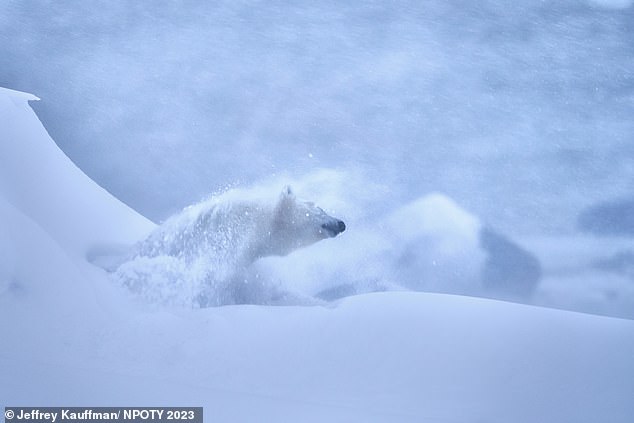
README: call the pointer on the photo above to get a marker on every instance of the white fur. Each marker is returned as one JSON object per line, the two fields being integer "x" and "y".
{"x": 199, "y": 255}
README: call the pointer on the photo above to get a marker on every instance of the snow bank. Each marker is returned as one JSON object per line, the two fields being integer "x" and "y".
{"x": 39, "y": 180}
{"x": 379, "y": 357}
{"x": 51, "y": 214}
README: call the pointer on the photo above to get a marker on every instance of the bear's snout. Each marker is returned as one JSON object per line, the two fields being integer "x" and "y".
{"x": 342, "y": 226}
{"x": 334, "y": 227}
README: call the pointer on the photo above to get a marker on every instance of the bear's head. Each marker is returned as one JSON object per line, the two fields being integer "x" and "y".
{"x": 298, "y": 224}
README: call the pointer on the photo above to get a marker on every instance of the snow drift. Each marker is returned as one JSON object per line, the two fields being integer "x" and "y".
{"x": 38, "y": 179}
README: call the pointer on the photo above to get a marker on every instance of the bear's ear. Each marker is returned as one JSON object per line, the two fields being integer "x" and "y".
{"x": 285, "y": 205}
{"x": 287, "y": 191}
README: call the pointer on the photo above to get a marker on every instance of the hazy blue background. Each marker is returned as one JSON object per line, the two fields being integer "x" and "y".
{"x": 521, "y": 111}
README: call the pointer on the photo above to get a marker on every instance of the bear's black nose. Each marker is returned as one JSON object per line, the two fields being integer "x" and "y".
{"x": 334, "y": 227}
{"x": 342, "y": 226}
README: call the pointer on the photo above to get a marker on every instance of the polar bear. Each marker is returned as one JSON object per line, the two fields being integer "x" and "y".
{"x": 199, "y": 255}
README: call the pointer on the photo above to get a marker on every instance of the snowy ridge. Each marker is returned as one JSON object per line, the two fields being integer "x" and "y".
{"x": 18, "y": 96}
{"x": 39, "y": 180}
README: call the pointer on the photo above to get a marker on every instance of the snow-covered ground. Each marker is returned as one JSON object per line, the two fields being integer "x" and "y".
{"x": 70, "y": 336}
